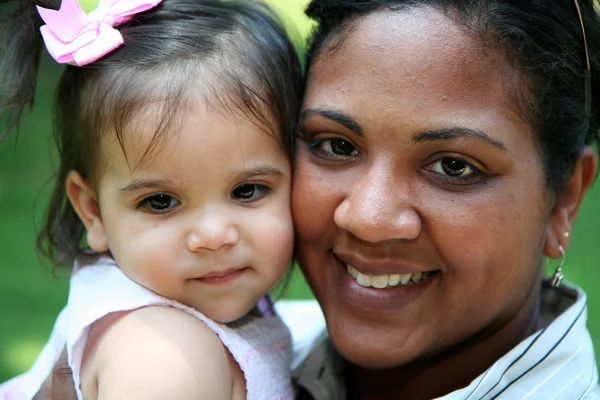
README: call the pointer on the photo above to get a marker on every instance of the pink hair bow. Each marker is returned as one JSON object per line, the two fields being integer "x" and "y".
{"x": 74, "y": 37}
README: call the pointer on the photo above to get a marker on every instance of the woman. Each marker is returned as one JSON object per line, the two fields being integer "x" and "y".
{"x": 448, "y": 140}
{"x": 444, "y": 151}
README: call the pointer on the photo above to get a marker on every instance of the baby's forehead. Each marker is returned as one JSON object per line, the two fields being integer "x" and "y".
{"x": 197, "y": 129}
{"x": 148, "y": 118}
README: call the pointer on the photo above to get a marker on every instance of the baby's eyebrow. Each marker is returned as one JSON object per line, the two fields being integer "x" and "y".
{"x": 259, "y": 170}
{"x": 138, "y": 184}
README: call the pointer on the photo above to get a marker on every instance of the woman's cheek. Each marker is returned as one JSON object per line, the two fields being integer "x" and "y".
{"x": 315, "y": 195}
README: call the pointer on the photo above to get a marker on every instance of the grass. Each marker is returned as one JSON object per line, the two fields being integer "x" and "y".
{"x": 30, "y": 297}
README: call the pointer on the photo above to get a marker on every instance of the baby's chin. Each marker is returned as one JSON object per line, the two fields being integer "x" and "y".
{"x": 225, "y": 312}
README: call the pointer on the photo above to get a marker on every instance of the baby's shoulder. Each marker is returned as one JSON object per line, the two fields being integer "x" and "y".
{"x": 158, "y": 325}
{"x": 159, "y": 349}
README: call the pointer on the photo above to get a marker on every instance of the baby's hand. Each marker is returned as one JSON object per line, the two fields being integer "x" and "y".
{"x": 59, "y": 385}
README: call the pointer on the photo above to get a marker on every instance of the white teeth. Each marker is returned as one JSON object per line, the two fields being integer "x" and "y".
{"x": 385, "y": 281}
{"x": 416, "y": 277}
{"x": 363, "y": 280}
{"x": 379, "y": 281}
{"x": 352, "y": 271}
{"x": 404, "y": 279}
{"x": 393, "y": 280}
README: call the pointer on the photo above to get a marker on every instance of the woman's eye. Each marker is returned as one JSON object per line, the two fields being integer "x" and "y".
{"x": 334, "y": 148}
{"x": 249, "y": 192}
{"x": 454, "y": 168}
{"x": 159, "y": 203}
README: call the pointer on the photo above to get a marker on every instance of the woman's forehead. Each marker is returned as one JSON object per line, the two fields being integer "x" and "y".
{"x": 412, "y": 64}
{"x": 419, "y": 47}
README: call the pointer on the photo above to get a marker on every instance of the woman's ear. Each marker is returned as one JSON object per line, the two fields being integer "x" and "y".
{"x": 567, "y": 202}
{"x": 85, "y": 202}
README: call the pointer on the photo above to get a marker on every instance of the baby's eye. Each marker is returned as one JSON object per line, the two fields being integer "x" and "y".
{"x": 159, "y": 203}
{"x": 334, "y": 147}
{"x": 249, "y": 192}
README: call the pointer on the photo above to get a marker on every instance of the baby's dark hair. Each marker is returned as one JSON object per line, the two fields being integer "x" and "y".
{"x": 541, "y": 39}
{"x": 235, "y": 51}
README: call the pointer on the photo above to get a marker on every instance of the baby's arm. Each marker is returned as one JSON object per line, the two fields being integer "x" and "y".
{"x": 161, "y": 353}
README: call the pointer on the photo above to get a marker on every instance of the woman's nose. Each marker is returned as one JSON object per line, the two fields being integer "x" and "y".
{"x": 212, "y": 232}
{"x": 377, "y": 209}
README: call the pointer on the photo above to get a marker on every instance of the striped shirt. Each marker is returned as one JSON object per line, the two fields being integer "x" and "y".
{"x": 555, "y": 363}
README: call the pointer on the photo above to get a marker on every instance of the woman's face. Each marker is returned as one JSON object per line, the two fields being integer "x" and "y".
{"x": 419, "y": 199}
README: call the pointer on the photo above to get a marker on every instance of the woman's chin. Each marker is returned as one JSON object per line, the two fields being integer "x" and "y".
{"x": 375, "y": 358}
{"x": 375, "y": 349}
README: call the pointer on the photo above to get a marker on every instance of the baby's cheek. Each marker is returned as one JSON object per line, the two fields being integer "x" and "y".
{"x": 282, "y": 239}
{"x": 153, "y": 262}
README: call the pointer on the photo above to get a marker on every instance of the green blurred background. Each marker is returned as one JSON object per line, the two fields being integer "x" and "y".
{"x": 32, "y": 294}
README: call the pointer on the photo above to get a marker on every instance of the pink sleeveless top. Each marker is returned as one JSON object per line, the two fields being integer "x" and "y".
{"x": 261, "y": 346}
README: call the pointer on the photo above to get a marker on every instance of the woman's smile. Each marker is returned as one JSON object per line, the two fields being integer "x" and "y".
{"x": 379, "y": 291}
{"x": 387, "y": 280}
{"x": 382, "y": 272}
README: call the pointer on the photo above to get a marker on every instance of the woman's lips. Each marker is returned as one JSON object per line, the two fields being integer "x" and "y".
{"x": 221, "y": 277}
{"x": 387, "y": 280}
{"x": 377, "y": 265}
{"x": 373, "y": 294}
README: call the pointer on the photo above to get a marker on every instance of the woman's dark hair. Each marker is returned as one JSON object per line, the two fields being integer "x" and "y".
{"x": 541, "y": 39}
{"x": 234, "y": 52}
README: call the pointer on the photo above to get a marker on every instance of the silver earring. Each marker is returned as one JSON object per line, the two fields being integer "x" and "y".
{"x": 558, "y": 276}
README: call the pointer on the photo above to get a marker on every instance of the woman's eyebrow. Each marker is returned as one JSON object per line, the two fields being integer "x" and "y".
{"x": 335, "y": 116}
{"x": 456, "y": 132}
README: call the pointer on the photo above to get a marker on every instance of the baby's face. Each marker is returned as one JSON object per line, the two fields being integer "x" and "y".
{"x": 204, "y": 220}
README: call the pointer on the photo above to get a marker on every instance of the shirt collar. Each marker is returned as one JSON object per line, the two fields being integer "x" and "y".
{"x": 556, "y": 362}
